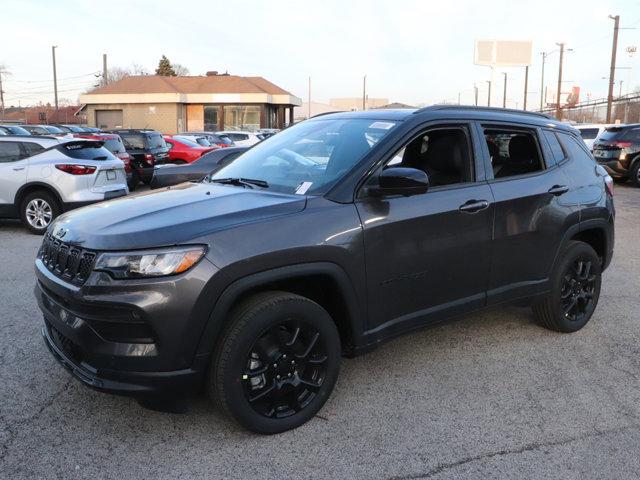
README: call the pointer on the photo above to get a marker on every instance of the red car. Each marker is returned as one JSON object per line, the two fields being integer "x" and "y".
{"x": 184, "y": 150}
{"x": 113, "y": 143}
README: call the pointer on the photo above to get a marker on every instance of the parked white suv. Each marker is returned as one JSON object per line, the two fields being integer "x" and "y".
{"x": 242, "y": 139}
{"x": 41, "y": 177}
{"x": 589, "y": 132}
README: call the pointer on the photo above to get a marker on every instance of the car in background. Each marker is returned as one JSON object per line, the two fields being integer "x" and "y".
{"x": 184, "y": 150}
{"x": 147, "y": 149}
{"x": 114, "y": 144}
{"x": 71, "y": 128}
{"x": 43, "y": 130}
{"x": 200, "y": 140}
{"x": 242, "y": 139}
{"x": 589, "y": 132}
{"x": 167, "y": 175}
{"x": 14, "y": 130}
{"x": 92, "y": 129}
{"x": 267, "y": 132}
{"x": 43, "y": 176}
{"x": 213, "y": 138}
{"x": 617, "y": 149}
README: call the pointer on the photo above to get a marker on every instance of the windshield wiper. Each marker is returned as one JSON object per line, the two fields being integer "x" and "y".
{"x": 242, "y": 182}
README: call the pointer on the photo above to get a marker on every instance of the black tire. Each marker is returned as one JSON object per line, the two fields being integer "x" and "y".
{"x": 635, "y": 173}
{"x": 37, "y": 210}
{"x": 260, "y": 330}
{"x": 620, "y": 180}
{"x": 575, "y": 290}
{"x": 134, "y": 181}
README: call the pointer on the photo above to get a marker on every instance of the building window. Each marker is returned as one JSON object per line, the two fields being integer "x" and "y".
{"x": 241, "y": 117}
{"x": 211, "y": 118}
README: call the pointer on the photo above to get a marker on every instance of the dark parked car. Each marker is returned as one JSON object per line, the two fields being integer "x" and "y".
{"x": 617, "y": 149}
{"x": 147, "y": 149}
{"x": 43, "y": 130}
{"x": 251, "y": 286}
{"x": 167, "y": 175}
{"x": 14, "y": 130}
{"x": 71, "y": 128}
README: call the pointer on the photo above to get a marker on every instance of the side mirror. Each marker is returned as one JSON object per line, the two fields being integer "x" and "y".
{"x": 401, "y": 181}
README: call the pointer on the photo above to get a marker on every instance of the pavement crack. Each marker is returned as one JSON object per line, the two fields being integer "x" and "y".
{"x": 443, "y": 467}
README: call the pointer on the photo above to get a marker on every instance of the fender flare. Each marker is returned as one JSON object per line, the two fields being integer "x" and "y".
{"x": 218, "y": 317}
{"x": 41, "y": 185}
{"x": 592, "y": 224}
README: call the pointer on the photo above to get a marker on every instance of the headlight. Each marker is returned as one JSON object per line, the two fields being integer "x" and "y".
{"x": 149, "y": 263}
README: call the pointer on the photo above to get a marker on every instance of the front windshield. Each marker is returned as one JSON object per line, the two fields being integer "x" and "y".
{"x": 309, "y": 157}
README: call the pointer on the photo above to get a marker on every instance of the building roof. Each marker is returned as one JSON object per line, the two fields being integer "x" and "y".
{"x": 142, "y": 84}
{"x": 395, "y": 105}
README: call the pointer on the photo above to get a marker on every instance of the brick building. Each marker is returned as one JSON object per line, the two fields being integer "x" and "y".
{"x": 177, "y": 104}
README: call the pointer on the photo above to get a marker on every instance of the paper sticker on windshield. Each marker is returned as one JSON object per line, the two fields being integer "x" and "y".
{"x": 382, "y": 125}
{"x": 303, "y": 187}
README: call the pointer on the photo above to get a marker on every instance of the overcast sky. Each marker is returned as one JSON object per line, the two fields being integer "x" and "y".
{"x": 411, "y": 51}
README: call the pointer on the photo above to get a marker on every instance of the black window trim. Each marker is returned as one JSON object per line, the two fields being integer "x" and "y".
{"x": 530, "y": 129}
{"x": 464, "y": 125}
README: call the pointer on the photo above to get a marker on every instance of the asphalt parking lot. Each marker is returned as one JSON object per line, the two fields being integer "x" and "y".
{"x": 489, "y": 396}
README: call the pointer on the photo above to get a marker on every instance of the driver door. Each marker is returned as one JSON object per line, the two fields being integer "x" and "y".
{"x": 427, "y": 255}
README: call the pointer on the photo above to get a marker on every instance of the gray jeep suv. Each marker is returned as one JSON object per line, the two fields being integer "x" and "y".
{"x": 327, "y": 239}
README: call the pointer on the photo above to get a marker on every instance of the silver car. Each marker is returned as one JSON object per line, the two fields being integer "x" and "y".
{"x": 42, "y": 177}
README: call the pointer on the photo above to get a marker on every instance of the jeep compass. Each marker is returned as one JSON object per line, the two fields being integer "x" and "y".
{"x": 337, "y": 234}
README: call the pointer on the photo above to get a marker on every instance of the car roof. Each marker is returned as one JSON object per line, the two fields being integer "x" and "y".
{"x": 462, "y": 112}
{"x": 32, "y": 138}
{"x": 234, "y": 131}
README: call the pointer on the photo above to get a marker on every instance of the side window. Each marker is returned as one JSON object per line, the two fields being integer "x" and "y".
{"x": 443, "y": 154}
{"x": 133, "y": 142}
{"x": 10, "y": 152}
{"x": 573, "y": 146}
{"x": 32, "y": 148}
{"x": 554, "y": 144}
{"x": 513, "y": 152}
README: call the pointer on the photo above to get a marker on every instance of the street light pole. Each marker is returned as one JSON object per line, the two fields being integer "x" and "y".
{"x": 526, "y": 85}
{"x": 475, "y": 93}
{"x": 504, "y": 93}
{"x": 558, "y": 104}
{"x": 55, "y": 80}
{"x": 364, "y": 93}
{"x": 489, "y": 94}
{"x": 612, "y": 72}
{"x": 544, "y": 57}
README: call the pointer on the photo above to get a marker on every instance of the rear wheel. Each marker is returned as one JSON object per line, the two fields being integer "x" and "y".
{"x": 133, "y": 181}
{"x": 277, "y": 363}
{"x": 635, "y": 173}
{"x": 37, "y": 211}
{"x": 575, "y": 285}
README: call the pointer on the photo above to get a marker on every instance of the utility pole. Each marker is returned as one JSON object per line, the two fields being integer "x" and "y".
{"x": 620, "y": 91}
{"x": 309, "y": 100}
{"x": 55, "y": 79}
{"x": 364, "y": 93}
{"x": 612, "y": 72}
{"x": 558, "y": 105}
{"x": 489, "y": 94}
{"x": 475, "y": 92}
{"x": 544, "y": 57}
{"x": 526, "y": 86}
{"x": 458, "y": 98}
{"x": 504, "y": 93}
{"x": 1, "y": 93}
{"x": 104, "y": 69}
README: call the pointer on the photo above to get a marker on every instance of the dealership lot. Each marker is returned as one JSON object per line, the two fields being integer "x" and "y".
{"x": 490, "y": 395}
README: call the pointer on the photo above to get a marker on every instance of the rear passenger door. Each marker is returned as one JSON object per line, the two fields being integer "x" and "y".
{"x": 529, "y": 189}
{"x": 13, "y": 172}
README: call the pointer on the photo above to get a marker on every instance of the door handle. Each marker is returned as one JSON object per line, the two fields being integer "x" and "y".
{"x": 17, "y": 169}
{"x": 473, "y": 206}
{"x": 558, "y": 190}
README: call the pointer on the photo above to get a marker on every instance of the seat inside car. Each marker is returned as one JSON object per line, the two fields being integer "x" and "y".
{"x": 442, "y": 154}
{"x": 523, "y": 157}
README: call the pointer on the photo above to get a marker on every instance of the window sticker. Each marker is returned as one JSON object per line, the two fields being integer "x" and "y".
{"x": 382, "y": 125}
{"x": 303, "y": 187}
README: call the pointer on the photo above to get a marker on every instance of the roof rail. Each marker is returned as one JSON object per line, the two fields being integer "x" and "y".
{"x": 482, "y": 109}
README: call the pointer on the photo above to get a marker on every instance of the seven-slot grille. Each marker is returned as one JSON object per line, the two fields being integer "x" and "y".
{"x": 67, "y": 261}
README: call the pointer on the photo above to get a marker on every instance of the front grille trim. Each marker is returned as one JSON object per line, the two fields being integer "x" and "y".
{"x": 69, "y": 262}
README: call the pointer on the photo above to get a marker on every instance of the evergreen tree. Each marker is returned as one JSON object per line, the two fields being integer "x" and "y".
{"x": 164, "y": 68}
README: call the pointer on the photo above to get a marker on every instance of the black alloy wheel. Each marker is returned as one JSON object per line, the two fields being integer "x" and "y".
{"x": 284, "y": 369}
{"x": 578, "y": 290}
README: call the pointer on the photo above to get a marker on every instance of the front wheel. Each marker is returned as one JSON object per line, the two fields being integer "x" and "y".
{"x": 277, "y": 363}
{"x": 635, "y": 173}
{"x": 575, "y": 290}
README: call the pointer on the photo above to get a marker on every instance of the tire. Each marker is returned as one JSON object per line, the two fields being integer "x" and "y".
{"x": 575, "y": 282}
{"x": 134, "y": 181}
{"x": 620, "y": 180}
{"x": 635, "y": 173}
{"x": 261, "y": 357}
{"x": 37, "y": 210}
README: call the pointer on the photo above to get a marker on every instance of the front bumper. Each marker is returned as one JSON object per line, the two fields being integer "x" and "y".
{"x": 128, "y": 337}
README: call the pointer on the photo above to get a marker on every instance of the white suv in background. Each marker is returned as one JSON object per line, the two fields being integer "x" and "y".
{"x": 41, "y": 177}
{"x": 590, "y": 131}
{"x": 242, "y": 139}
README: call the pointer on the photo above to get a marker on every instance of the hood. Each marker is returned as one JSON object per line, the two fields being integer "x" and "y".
{"x": 168, "y": 217}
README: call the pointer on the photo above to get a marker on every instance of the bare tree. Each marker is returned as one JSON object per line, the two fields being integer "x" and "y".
{"x": 137, "y": 69}
{"x": 180, "y": 70}
{"x": 114, "y": 74}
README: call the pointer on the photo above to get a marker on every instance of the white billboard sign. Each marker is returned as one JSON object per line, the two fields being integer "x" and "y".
{"x": 503, "y": 53}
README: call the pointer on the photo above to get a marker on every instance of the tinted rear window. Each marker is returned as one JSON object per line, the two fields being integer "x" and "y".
{"x": 613, "y": 134}
{"x": 156, "y": 141}
{"x": 114, "y": 145}
{"x": 588, "y": 133}
{"x": 133, "y": 141}
{"x": 86, "y": 151}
